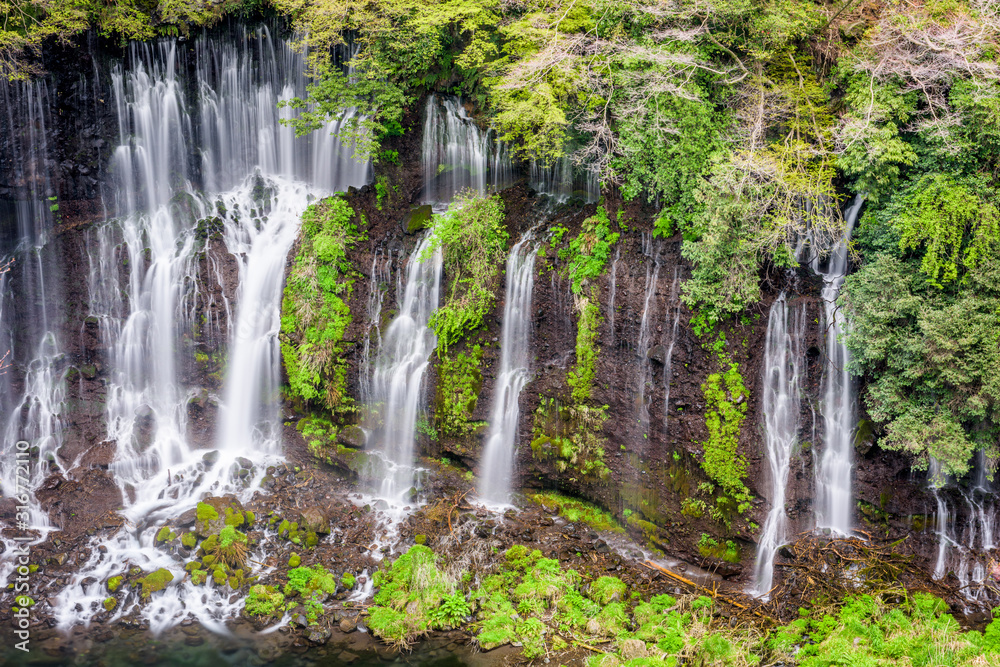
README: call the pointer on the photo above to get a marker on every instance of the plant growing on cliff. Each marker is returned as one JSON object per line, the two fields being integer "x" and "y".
{"x": 474, "y": 242}
{"x": 725, "y": 409}
{"x": 581, "y": 377}
{"x": 314, "y": 311}
{"x": 589, "y": 251}
{"x": 459, "y": 384}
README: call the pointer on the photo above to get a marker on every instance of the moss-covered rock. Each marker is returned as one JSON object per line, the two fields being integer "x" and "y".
{"x": 416, "y": 219}
{"x": 155, "y": 581}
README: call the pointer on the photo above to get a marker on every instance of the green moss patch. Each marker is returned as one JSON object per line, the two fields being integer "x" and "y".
{"x": 576, "y": 510}
{"x": 155, "y": 581}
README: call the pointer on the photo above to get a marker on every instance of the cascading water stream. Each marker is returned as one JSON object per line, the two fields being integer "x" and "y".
{"x": 515, "y": 350}
{"x": 162, "y": 472}
{"x": 613, "y": 289}
{"x": 784, "y": 363}
{"x": 964, "y": 545}
{"x": 458, "y": 155}
{"x": 675, "y": 315}
{"x": 833, "y": 472}
{"x": 644, "y": 377}
{"x": 35, "y": 415}
{"x": 559, "y": 181}
{"x": 249, "y": 415}
{"x": 398, "y": 376}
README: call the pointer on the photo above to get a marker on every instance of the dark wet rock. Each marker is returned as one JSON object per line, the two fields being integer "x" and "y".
{"x": 210, "y": 457}
{"x": 313, "y": 520}
{"x": 657, "y": 353}
{"x": 352, "y": 436}
{"x": 319, "y": 636}
{"x": 416, "y": 219}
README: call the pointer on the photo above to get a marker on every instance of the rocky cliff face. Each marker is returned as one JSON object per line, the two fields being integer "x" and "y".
{"x": 642, "y": 460}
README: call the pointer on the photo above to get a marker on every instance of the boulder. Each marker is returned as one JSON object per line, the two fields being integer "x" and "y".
{"x": 352, "y": 436}
{"x": 657, "y": 353}
{"x": 416, "y": 219}
{"x": 630, "y": 649}
{"x": 313, "y": 520}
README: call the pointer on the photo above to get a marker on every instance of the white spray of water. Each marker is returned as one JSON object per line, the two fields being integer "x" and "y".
{"x": 497, "y": 467}
{"x": 398, "y": 376}
{"x": 783, "y": 368}
{"x": 833, "y": 472}
{"x": 161, "y": 473}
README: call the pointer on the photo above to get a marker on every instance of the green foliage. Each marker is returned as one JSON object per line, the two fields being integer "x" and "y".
{"x": 474, "y": 243}
{"x": 725, "y": 409}
{"x": 28, "y": 25}
{"x": 348, "y": 580}
{"x": 581, "y": 377}
{"x": 666, "y": 153}
{"x": 451, "y": 613}
{"x": 459, "y": 384}
{"x": 264, "y": 601}
{"x": 932, "y": 355}
{"x": 571, "y": 436}
{"x": 450, "y": 38}
{"x": 954, "y": 227}
{"x": 575, "y": 510}
{"x": 310, "y": 582}
{"x": 412, "y": 592}
{"x": 314, "y": 310}
{"x": 589, "y": 251}
{"x": 607, "y": 589}
{"x": 711, "y": 548}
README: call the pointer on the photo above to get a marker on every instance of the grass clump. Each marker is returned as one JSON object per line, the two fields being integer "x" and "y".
{"x": 414, "y": 597}
{"x": 575, "y": 510}
{"x": 607, "y": 589}
{"x": 231, "y": 548}
{"x": 347, "y": 580}
{"x": 309, "y": 581}
{"x": 113, "y": 583}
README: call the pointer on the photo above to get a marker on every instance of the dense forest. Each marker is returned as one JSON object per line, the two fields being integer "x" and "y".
{"x": 759, "y": 141}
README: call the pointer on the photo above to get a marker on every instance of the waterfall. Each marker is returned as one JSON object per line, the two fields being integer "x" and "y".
{"x": 381, "y": 272}
{"x": 398, "y": 375}
{"x": 784, "y": 363}
{"x": 560, "y": 182}
{"x": 964, "y": 547}
{"x": 458, "y": 155}
{"x": 612, "y": 289}
{"x": 32, "y": 411}
{"x": 833, "y": 472}
{"x": 249, "y": 418}
{"x": 644, "y": 375}
{"x": 222, "y": 158}
{"x": 675, "y": 298}
{"x": 498, "y": 456}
